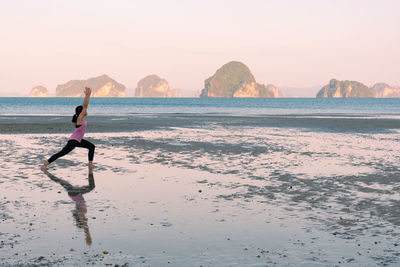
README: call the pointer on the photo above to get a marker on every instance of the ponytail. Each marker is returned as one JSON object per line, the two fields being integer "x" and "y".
{"x": 78, "y": 111}
{"x": 74, "y": 118}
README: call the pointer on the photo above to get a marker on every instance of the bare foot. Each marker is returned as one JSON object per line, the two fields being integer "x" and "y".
{"x": 44, "y": 166}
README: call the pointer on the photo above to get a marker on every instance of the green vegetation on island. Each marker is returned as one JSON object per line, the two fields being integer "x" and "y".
{"x": 234, "y": 79}
{"x": 344, "y": 89}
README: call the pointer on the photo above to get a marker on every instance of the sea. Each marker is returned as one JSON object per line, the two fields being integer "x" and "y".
{"x": 389, "y": 107}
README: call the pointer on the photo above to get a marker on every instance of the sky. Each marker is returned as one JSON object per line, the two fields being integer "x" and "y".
{"x": 289, "y": 43}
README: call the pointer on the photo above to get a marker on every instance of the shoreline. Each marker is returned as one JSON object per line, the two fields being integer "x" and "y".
{"x": 21, "y": 124}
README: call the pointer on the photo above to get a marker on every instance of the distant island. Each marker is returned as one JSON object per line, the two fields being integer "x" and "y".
{"x": 102, "y": 86}
{"x": 234, "y": 79}
{"x": 39, "y": 91}
{"x": 384, "y": 90}
{"x": 344, "y": 89}
{"x": 154, "y": 86}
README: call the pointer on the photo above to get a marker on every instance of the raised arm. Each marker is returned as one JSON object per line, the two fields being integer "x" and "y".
{"x": 85, "y": 105}
{"x": 88, "y": 91}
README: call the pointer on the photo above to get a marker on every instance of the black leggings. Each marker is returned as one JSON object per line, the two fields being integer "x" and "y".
{"x": 70, "y": 146}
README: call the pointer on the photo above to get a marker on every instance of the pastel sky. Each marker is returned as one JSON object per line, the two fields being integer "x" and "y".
{"x": 297, "y": 43}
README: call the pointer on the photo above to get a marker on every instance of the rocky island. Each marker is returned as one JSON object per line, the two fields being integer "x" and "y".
{"x": 154, "y": 86}
{"x": 344, "y": 89}
{"x": 384, "y": 90}
{"x": 234, "y": 79}
{"x": 39, "y": 91}
{"x": 102, "y": 86}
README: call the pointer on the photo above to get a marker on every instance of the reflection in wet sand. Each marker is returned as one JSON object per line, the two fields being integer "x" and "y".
{"x": 76, "y": 194}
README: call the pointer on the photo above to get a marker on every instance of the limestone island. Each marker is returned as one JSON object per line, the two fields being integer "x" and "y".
{"x": 344, "y": 89}
{"x": 234, "y": 79}
{"x": 39, "y": 91}
{"x": 102, "y": 86}
{"x": 383, "y": 90}
{"x": 154, "y": 86}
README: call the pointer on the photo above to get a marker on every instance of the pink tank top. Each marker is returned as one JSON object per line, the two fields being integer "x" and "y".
{"x": 79, "y": 132}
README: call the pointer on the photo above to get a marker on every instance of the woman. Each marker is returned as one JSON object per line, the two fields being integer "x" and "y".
{"x": 76, "y": 139}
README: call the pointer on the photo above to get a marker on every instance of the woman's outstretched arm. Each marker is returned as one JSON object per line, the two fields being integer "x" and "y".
{"x": 88, "y": 91}
{"x": 85, "y": 105}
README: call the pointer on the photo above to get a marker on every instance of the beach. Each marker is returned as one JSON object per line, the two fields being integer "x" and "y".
{"x": 200, "y": 133}
{"x": 202, "y": 190}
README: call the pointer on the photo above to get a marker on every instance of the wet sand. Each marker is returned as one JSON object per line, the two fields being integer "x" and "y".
{"x": 146, "y": 122}
{"x": 217, "y": 193}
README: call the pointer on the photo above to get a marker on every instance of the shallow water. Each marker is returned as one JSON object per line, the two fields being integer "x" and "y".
{"x": 219, "y": 194}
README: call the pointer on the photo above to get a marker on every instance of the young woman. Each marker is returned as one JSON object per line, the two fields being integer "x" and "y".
{"x": 76, "y": 139}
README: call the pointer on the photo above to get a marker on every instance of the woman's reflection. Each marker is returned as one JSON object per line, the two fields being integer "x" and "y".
{"x": 76, "y": 194}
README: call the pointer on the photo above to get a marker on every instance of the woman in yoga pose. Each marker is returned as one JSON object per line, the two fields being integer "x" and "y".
{"x": 76, "y": 139}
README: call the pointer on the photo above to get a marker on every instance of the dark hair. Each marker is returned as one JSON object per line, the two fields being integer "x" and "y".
{"x": 78, "y": 111}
